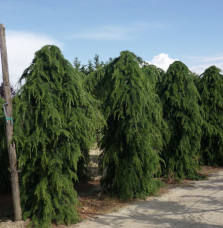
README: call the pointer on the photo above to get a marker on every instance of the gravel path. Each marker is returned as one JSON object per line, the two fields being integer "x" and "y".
{"x": 200, "y": 204}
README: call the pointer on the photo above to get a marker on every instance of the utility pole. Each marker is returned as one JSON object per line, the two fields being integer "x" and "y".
{"x": 9, "y": 127}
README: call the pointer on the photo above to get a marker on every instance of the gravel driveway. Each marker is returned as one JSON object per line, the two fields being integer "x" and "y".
{"x": 199, "y": 204}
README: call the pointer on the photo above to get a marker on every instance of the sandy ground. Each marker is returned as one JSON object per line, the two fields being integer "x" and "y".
{"x": 199, "y": 204}
{"x": 190, "y": 204}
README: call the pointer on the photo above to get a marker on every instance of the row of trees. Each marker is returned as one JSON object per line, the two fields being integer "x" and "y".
{"x": 148, "y": 124}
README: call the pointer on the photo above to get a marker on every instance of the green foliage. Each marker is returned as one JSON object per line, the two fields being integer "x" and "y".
{"x": 90, "y": 67}
{"x": 211, "y": 92}
{"x": 155, "y": 76}
{"x": 182, "y": 113}
{"x": 4, "y": 160}
{"x": 55, "y": 123}
{"x": 77, "y": 64}
{"x": 97, "y": 63}
{"x": 131, "y": 141}
{"x": 196, "y": 79}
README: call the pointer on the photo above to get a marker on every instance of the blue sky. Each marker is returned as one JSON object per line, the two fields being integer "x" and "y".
{"x": 159, "y": 31}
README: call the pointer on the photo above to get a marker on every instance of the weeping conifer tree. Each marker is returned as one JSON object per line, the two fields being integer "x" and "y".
{"x": 196, "y": 79}
{"x": 131, "y": 141}
{"x": 211, "y": 92}
{"x": 55, "y": 121}
{"x": 155, "y": 75}
{"x": 182, "y": 113}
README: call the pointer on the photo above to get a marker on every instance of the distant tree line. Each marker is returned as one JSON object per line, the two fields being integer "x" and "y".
{"x": 147, "y": 122}
{"x": 90, "y": 67}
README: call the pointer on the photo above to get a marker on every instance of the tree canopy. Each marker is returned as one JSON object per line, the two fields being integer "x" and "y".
{"x": 182, "y": 113}
{"x": 155, "y": 75}
{"x": 55, "y": 123}
{"x": 211, "y": 92}
{"x": 157, "y": 124}
{"x": 130, "y": 159}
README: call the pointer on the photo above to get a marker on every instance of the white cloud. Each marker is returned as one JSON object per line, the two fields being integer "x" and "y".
{"x": 21, "y": 47}
{"x": 196, "y": 64}
{"x": 103, "y": 33}
{"x": 200, "y": 64}
{"x": 207, "y": 59}
{"x": 162, "y": 61}
{"x": 114, "y": 33}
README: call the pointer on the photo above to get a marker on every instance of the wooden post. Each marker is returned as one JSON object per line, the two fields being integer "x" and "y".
{"x": 9, "y": 127}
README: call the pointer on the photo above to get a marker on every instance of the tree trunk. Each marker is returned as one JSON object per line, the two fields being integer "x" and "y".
{"x": 9, "y": 128}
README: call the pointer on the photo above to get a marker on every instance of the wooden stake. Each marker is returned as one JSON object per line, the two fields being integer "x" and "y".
{"x": 9, "y": 127}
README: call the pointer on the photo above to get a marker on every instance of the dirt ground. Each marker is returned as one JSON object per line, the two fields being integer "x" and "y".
{"x": 93, "y": 203}
{"x": 194, "y": 204}
{"x": 96, "y": 203}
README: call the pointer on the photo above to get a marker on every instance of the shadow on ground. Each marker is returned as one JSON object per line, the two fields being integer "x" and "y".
{"x": 6, "y": 207}
{"x": 199, "y": 205}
